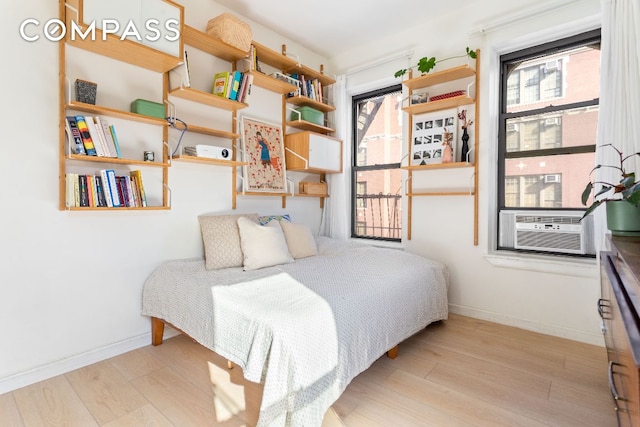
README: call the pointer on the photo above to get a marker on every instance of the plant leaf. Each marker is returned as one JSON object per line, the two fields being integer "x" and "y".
{"x": 586, "y": 192}
{"x": 628, "y": 180}
{"x": 591, "y": 208}
{"x": 400, "y": 73}
{"x": 426, "y": 64}
{"x": 603, "y": 190}
{"x": 471, "y": 53}
{"x": 632, "y": 194}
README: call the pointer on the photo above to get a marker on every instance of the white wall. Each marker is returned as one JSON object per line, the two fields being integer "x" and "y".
{"x": 71, "y": 282}
{"x": 557, "y": 298}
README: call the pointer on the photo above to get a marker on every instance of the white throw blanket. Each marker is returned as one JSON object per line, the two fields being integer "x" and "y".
{"x": 278, "y": 326}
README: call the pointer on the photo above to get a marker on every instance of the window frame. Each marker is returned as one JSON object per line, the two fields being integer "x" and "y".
{"x": 355, "y": 169}
{"x": 529, "y": 53}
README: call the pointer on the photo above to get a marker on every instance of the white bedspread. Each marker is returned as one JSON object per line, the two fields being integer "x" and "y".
{"x": 305, "y": 329}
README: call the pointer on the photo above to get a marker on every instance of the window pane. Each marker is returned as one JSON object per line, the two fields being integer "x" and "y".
{"x": 378, "y": 203}
{"x": 554, "y": 79}
{"x": 566, "y": 128}
{"x": 379, "y": 130}
{"x": 547, "y": 181}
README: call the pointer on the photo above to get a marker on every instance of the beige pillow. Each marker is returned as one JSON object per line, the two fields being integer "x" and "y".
{"x": 262, "y": 245}
{"x": 221, "y": 240}
{"x": 300, "y": 240}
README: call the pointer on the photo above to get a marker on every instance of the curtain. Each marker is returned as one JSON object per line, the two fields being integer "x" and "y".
{"x": 335, "y": 216}
{"x": 618, "y": 120}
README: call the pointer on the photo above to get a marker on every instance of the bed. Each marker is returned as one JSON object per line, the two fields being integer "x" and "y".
{"x": 304, "y": 328}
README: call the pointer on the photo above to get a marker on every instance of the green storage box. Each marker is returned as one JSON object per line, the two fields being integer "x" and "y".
{"x": 308, "y": 114}
{"x": 148, "y": 108}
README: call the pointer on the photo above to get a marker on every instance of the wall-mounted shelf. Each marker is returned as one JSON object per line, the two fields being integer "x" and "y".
{"x": 271, "y": 83}
{"x": 445, "y": 76}
{"x": 305, "y": 125}
{"x": 127, "y": 51}
{"x": 212, "y": 46}
{"x": 208, "y": 161}
{"x": 112, "y": 112}
{"x": 207, "y": 99}
{"x": 115, "y": 160}
{"x": 303, "y": 100}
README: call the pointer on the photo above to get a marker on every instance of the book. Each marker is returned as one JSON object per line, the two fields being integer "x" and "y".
{"x": 113, "y": 187}
{"x": 247, "y": 89}
{"x": 84, "y": 195}
{"x": 97, "y": 139}
{"x": 230, "y": 80}
{"x": 77, "y": 147}
{"x": 106, "y": 188}
{"x": 89, "y": 146}
{"x": 137, "y": 176}
{"x": 102, "y": 202}
{"x": 235, "y": 85}
{"x": 103, "y": 124}
{"x": 116, "y": 143}
{"x": 180, "y": 76}
{"x": 220, "y": 84}
{"x": 71, "y": 189}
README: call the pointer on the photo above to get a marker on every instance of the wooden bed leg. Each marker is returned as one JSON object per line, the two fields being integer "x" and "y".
{"x": 157, "y": 331}
{"x": 393, "y": 353}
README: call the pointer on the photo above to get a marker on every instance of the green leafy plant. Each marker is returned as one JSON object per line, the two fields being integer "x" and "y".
{"x": 426, "y": 64}
{"x": 628, "y": 188}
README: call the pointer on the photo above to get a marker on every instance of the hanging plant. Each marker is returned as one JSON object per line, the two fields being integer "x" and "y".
{"x": 426, "y": 64}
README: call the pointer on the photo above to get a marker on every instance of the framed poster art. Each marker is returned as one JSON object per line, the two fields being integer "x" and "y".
{"x": 263, "y": 148}
{"x": 434, "y": 136}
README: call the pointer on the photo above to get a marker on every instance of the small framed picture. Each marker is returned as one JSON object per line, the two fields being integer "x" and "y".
{"x": 433, "y": 137}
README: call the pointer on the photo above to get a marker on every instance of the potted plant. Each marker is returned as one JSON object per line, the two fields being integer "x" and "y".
{"x": 426, "y": 64}
{"x": 623, "y": 202}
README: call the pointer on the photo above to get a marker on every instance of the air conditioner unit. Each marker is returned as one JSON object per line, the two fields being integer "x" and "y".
{"x": 551, "y": 65}
{"x": 512, "y": 127}
{"x": 547, "y": 231}
{"x": 553, "y": 121}
{"x": 552, "y": 178}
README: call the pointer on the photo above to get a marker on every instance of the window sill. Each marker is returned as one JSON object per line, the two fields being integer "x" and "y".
{"x": 379, "y": 243}
{"x": 578, "y": 267}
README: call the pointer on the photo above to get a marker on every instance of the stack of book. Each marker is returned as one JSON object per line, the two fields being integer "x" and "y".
{"x": 105, "y": 189}
{"x": 310, "y": 88}
{"x": 92, "y": 136}
{"x": 233, "y": 85}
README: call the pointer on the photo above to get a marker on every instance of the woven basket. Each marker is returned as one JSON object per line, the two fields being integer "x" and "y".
{"x": 230, "y": 30}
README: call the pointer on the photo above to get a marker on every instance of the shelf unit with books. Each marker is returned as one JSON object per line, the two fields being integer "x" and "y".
{"x": 73, "y": 164}
{"x": 453, "y": 75}
{"x": 214, "y": 47}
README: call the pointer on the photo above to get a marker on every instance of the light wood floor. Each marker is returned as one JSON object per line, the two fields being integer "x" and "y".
{"x": 461, "y": 372}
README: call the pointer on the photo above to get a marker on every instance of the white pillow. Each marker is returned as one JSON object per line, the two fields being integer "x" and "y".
{"x": 262, "y": 245}
{"x": 300, "y": 240}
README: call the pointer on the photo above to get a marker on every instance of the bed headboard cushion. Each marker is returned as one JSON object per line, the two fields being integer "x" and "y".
{"x": 262, "y": 245}
{"x": 266, "y": 219}
{"x": 300, "y": 240}
{"x": 221, "y": 240}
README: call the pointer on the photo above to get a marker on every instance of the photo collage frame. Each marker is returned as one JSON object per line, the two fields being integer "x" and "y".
{"x": 432, "y": 132}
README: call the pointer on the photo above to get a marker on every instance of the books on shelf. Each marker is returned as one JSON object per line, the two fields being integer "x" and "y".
{"x": 311, "y": 89}
{"x": 105, "y": 189}
{"x": 233, "y": 85}
{"x": 96, "y": 135}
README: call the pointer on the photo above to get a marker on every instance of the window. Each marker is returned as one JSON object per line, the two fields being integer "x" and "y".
{"x": 549, "y": 98}
{"x": 377, "y": 178}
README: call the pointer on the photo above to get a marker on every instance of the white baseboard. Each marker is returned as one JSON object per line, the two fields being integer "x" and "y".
{"x": 543, "y": 328}
{"x": 59, "y": 367}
